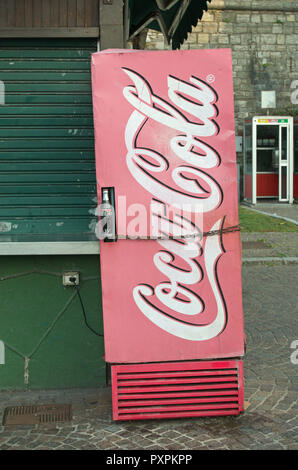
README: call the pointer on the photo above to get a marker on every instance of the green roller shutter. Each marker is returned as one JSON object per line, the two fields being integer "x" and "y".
{"x": 47, "y": 164}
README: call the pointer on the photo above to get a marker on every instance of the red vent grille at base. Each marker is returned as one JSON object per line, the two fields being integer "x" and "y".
{"x": 180, "y": 389}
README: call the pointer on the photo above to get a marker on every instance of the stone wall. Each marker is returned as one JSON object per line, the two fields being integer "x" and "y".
{"x": 263, "y": 37}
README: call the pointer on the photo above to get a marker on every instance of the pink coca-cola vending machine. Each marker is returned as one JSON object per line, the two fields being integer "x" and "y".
{"x": 169, "y": 237}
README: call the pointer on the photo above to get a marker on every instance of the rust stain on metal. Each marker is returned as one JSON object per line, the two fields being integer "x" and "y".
{"x": 37, "y": 414}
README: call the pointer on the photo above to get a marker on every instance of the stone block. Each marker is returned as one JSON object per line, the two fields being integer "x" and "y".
{"x": 269, "y": 18}
{"x": 265, "y": 28}
{"x": 208, "y": 16}
{"x": 277, "y": 28}
{"x": 225, "y": 27}
{"x": 223, "y": 39}
{"x": 269, "y": 39}
{"x": 242, "y": 18}
{"x": 240, "y": 28}
{"x": 292, "y": 39}
{"x": 256, "y": 18}
{"x": 235, "y": 39}
{"x": 203, "y": 38}
{"x": 198, "y": 28}
{"x": 210, "y": 27}
{"x": 280, "y": 39}
{"x": 192, "y": 38}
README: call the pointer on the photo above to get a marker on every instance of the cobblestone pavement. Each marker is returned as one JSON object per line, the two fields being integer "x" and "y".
{"x": 269, "y": 421}
{"x": 281, "y": 247}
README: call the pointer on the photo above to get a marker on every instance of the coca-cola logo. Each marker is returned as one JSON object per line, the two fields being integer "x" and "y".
{"x": 146, "y": 164}
{"x": 190, "y": 112}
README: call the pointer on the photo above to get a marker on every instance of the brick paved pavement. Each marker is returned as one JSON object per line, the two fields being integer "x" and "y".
{"x": 269, "y": 422}
{"x": 280, "y": 247}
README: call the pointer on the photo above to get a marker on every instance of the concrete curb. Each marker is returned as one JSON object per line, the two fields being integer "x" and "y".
{"x": 270, "y": 260}
{"x": 287, "y": 219}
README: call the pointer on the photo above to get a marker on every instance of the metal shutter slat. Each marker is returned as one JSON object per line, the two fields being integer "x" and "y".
{"x": 47, "y": 164}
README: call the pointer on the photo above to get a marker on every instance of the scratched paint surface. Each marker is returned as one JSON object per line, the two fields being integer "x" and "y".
{"x": 171, "y": 142}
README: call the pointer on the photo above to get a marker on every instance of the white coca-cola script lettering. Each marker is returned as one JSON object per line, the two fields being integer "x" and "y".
{"x": 198, "y": 191}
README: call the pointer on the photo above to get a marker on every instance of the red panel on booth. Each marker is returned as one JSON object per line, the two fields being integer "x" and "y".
{"x": 296, "y": 185}
{"x": 267, "y": 184}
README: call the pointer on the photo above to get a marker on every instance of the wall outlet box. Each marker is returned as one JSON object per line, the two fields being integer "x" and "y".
{"x": 71, "y": 278}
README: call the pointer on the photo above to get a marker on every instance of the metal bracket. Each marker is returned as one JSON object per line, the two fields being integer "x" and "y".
{"x": 108, "y": 2}
{"x": 165, "y": 4}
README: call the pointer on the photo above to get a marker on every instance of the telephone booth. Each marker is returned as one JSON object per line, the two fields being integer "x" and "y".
{"x": 268, "y": 167}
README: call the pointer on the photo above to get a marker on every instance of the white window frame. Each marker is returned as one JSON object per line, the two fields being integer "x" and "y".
{"x": 49, "y": 248}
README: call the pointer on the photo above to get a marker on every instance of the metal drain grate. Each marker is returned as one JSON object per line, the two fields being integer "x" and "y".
{"x": 37, "y": 414}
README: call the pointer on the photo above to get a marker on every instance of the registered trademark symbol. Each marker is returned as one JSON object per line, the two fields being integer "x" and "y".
{"x": 210, "y": 78}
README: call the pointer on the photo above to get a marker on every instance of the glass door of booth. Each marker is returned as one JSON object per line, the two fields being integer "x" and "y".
{"x": 284, "y": 164}
{"x": 272, "y": 159}
{"x": 247, "y": 161}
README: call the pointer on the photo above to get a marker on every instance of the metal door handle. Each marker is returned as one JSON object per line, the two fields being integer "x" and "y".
{"x": 108, "y": 214}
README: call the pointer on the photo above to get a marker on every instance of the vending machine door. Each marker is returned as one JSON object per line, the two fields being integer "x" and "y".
{"x": 165, "y": 147}
{"x": 272, "y": 164}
